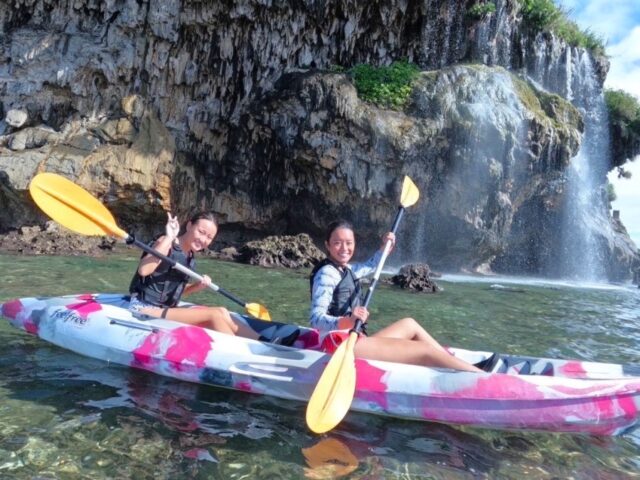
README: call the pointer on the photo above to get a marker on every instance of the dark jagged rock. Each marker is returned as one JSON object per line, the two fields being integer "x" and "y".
{"x": 416, "y": 277}
{"x": 297, "y": 251}
{"x": 52, "y": 240}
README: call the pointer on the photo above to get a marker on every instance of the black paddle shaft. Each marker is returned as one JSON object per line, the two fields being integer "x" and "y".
{"x": 358, "y": 325}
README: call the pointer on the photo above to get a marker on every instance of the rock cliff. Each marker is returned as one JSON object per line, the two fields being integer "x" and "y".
{"x": 181, "y": 104}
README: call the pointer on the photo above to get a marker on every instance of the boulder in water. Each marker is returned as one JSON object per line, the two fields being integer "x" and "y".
{"x": 416, "y": 277}
{"x": 290, "y": 251}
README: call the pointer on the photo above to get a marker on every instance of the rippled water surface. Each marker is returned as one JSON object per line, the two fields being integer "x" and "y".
{"x": 66, "y": 416}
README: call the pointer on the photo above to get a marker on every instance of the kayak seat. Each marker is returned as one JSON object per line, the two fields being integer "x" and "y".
{"x": 288, "y": 340}
{"x": 489, "y": 363}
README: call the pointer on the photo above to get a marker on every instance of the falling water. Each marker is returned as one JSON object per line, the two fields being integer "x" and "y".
{"x": 581, "y": 228}
{"x": 570, "y": 73}
{"x": 585, "y": 210}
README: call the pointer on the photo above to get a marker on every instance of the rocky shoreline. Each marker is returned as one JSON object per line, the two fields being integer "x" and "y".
{"x": 50, "y": 239}
{"x": 287, "y": 251}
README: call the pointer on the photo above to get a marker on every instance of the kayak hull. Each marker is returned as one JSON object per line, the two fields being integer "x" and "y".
{"x": 522, "y": 393}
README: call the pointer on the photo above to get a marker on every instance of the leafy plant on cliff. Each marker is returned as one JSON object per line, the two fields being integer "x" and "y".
{"x": 540, "y": 14}
{"x": 545, "y": 15}
{"x": 387, "y": 86}
{"x": 480, "y": 10}
{"x": 624, "y": 118}
{"x": 623, "y": 108}
{"x": 611, "y": 193}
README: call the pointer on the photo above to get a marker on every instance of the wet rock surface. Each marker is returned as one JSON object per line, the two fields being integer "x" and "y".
{"x": 416, "y": 277}
{"x": 296, "y": 251}
{"x": 53, "y": 240}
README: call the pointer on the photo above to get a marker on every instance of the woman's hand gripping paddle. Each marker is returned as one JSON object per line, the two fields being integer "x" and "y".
{"x": 76, "y": 209}
{"x": 332, "y": 397}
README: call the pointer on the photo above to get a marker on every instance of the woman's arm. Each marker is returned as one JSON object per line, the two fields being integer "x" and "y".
{"x": 198, "y": 286}
{"x": 149, "y": 263}
{"x": 361, "y": 270}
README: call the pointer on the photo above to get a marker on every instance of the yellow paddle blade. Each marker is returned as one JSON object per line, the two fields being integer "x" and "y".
{"x": 258, "y": 311}
{"x": 410, "y": 193}
{"x": 72, "y": 206}
{"x": 331, "y": 399}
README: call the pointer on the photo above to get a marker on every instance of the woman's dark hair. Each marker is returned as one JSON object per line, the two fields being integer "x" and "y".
{"x": 204, "y": 215}
{"x": 333, "y": 226}
{"x": 201, "y": 215}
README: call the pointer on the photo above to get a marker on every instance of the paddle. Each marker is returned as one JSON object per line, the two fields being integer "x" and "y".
{"x": 76, "y": 209}
{"x": 332, "y": 397}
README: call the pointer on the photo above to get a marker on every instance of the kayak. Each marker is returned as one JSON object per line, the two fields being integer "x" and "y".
{"x": 519, "y": 393}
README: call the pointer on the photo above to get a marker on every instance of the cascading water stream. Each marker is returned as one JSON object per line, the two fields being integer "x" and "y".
{"x": 580, "y": 255}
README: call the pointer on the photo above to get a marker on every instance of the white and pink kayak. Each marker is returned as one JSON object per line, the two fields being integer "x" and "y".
{"x": 520, "y": 392}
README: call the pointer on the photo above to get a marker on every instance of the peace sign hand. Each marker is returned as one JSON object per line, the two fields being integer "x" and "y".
{"x": 172, "y": 228}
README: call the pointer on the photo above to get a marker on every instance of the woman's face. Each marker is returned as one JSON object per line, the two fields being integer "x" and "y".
{"x": 341, "y": 246}
{"x": 200, "y": 234}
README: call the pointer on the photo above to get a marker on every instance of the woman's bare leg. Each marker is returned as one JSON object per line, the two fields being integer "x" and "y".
{"x": 408, "y": 329}
{"x": 214, "y": 318}
{"x": 407, "y": 351}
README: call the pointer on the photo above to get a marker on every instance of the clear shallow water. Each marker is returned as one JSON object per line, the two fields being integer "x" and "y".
{"x": 66, "y": 416}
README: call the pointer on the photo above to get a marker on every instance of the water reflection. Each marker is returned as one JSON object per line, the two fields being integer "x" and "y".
{"x": 329, "y": 458}
{"x": 211, "y": 421}
{"x": 111, "y": 411}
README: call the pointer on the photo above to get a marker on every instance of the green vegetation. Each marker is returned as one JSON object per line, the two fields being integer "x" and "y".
{"x": 611, "y": 192}
{"x": 624, "y": 115}
{"x": 388, "y": 86}
{"x": 623, "y": 108}
{"x": 545, "y": 15}
{"x": 624, "y": 124}
{"x": 540, "y": 14}
{"x": 480, "y": 10}
{"x": 548, "y": 107}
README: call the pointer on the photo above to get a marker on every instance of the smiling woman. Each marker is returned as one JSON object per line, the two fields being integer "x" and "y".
{"x": 337, "y": 306}
{"x": 156, "y": 287}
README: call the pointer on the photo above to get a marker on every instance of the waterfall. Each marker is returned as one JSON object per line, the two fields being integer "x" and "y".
{"x": 580, "y": 255}
{"x": 471, "y": 210}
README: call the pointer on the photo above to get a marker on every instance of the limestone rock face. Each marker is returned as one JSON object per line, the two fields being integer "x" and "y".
{"x": 127, "y": 162}
{"x": 478, "y": 141}
{"x": 182, "y": 104}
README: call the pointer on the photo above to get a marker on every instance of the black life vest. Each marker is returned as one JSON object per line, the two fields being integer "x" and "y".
{"x": 346, "y": 295}
{"x": 165, "y": 285}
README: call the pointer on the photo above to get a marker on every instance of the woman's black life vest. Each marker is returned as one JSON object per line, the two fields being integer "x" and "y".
{"x": 165, "y": 285}
{"x": 346, "y": 295}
